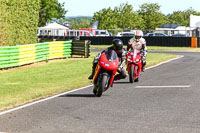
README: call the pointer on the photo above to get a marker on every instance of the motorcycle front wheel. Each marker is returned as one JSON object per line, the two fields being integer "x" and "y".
{"x": 132, "y": 74}
{"x": 101, "y": 86}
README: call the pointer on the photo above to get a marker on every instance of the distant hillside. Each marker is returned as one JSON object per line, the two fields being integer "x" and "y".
{"x": 79, "y": 21}
{"x": 67, "y": 17}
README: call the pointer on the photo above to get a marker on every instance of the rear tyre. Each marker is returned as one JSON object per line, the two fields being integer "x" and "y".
{"x": 136, "y": 80}
{"x": 131, "y": 74}
{"x": 102, "y": 85}
{"x": 95, "y": 90}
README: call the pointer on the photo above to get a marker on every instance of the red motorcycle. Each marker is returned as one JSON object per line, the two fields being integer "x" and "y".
{"x": 105, "y": 72}
{"x": 134, "y": 65}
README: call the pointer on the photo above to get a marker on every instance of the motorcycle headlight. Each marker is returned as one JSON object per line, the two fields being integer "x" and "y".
{"x": 129, "y": 60}
{"x": 137, "y": 60}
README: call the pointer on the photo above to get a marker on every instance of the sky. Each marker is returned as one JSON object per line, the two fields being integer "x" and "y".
{"x": 89, "y": 7}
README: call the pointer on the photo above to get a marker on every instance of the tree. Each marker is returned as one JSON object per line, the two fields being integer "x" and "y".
{"x": 122, "y": 17}
{"x": 107, "y": 18}
{"x": 182, "y": 17}
{"x": 152, "y": 16}
{"x": 128, "y": 19}
{"x": 50, "y": 9}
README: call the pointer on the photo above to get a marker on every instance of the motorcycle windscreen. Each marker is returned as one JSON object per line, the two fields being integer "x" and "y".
{"x": 111, "y": 55}
{"x": 135, "y": 52}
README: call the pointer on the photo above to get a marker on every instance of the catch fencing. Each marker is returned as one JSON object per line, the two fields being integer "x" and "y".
{"x": 12, "y": 56}
{"x": 167, "y": 41}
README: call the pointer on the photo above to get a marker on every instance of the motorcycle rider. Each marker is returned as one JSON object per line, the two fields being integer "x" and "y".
{"x": 117, "y": 45}
{"x": 139, "y": 43}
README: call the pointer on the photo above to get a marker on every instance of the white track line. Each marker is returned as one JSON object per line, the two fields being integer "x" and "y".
{"x": 29, "y": 104}
{"x": 42, "y": 100}
{"x": 180, "y": 56}
{"x": 169, "y": 86}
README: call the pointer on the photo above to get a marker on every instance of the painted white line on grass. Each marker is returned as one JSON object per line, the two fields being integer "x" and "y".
{"x": 169, "y": 86}
{"x": 42, "y": 100}
{"x": 180, "y": 56}
{"x": 29, "y": 104}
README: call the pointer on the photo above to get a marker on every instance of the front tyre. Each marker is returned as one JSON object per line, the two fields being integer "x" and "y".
{"x": 101, "y": 86}
{"x": 131, "y": 74}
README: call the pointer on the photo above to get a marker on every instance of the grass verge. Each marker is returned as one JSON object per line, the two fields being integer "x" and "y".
{"x": 155, "y": 48}
{"x": 188, "y": 49}
{"x": 19, "y": 86}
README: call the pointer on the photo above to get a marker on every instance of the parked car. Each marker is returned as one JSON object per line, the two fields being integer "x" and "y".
{"x": 110, "y": 33}
{"x": 179, "y": 35}
{"x": 125, "y": 34}
{"x": 155, "y": 34}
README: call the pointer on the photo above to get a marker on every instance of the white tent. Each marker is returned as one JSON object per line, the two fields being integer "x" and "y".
{"x": 52, "y": 29}
{"x": 54, "y": 26}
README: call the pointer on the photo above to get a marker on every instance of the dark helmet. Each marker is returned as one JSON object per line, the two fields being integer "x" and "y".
{"x": 117, "y": 46}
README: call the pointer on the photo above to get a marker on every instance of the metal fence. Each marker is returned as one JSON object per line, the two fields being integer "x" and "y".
{"x": 169, "y": 41}
{"x": 151, "y": 41}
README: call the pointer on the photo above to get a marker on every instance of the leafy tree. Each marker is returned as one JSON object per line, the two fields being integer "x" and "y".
{"x": 107, "y": 18}
{"x": 50, "y": 9}
{"x": 128, "y": 19}
{"x": 122, "y": 17}
{"x": 152, "y": 16}
{"x": 182, "y": 17}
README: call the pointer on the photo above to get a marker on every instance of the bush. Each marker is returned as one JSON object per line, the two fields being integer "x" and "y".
{"x": 18, "y": 22}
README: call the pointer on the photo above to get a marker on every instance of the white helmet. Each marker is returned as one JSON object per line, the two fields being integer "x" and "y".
{"x": 138, "y": 34}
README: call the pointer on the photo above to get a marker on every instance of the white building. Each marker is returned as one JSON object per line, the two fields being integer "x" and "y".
{"x": 173, "y": 29}
{"x": 194, "y": 21}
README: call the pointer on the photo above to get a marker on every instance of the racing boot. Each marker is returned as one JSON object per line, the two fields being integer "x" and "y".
{"x": 143, "y": 69}
{"x": 93, "y": 70}
{"x": 117, "y": 77}
{"x": 143, "y": 66}
{"x": 92, "y": 75}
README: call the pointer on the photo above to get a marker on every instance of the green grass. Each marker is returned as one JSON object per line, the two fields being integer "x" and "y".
{"x": 99, "y": 46}
{"x": 155, "y": 58}
{"x": 155, "y": 48}
{"x": 189, "y": 49}
{"x": 19, "y": 86}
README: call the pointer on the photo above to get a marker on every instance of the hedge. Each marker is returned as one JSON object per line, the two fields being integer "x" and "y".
{"x": 18, "y": 22}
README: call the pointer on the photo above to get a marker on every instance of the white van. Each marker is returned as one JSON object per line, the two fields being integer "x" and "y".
{"x": 128, "y": 33}
{"x": 125, "y": 34}
{"x": 102, "y": 33}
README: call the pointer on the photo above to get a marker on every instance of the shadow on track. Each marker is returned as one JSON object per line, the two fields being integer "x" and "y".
{"x": 78, "y": 95}
{"x": 121, "y": 82}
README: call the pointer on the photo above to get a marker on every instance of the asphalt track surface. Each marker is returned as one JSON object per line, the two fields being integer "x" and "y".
{"x": 165, "y": 100}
